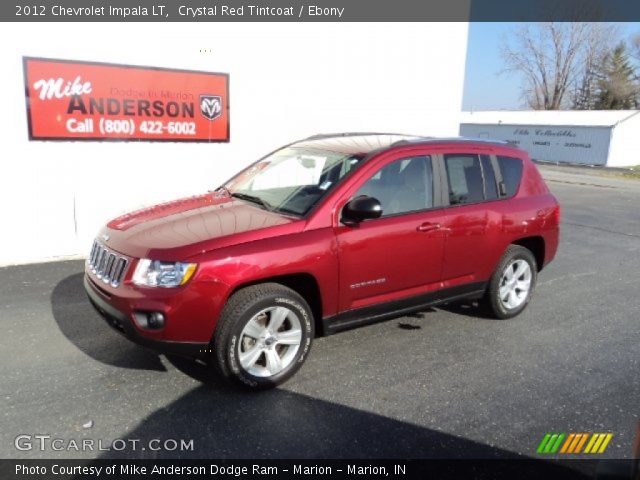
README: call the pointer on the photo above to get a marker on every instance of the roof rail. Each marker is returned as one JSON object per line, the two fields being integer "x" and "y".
{"x": 449, "y": 139}
{"x": 410, "y": 139}
{"x": 406, "y": 141}
{"x": 474, "y": 139}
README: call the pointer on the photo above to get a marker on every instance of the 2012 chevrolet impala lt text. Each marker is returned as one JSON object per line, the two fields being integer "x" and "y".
{"x": 325, "y": 234}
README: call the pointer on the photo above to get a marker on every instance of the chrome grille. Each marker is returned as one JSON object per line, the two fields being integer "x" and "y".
{"x": 106, "y": 265}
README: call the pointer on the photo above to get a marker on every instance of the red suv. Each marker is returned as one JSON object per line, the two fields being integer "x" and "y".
{"x": 325, "y": 234}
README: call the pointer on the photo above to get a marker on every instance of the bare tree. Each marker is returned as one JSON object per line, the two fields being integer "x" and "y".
{"x": 598, "y": 46}
{"x": 556, "y": 59}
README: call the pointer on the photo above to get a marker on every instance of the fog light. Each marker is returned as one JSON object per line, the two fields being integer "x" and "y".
{"x": 155, "y": 320}
{"x": 149, "y": 320}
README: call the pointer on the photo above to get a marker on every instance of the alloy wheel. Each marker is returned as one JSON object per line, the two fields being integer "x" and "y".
{"x": 269, "y": 341}
{"x": 515, "y": 284}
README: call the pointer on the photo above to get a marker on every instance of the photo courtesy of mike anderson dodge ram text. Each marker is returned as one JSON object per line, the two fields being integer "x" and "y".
{"x": 329, "y": 239}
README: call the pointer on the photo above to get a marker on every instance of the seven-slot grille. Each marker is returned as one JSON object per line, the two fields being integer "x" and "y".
{"x": 107, "y": 265}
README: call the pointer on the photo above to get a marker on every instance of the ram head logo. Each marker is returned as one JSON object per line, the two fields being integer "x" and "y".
{"x": 211, "y": 106}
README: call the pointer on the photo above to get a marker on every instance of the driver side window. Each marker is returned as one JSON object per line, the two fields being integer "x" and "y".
{"x": 403, "y": 186}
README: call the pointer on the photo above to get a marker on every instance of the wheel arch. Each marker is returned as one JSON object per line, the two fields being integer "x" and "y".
{"x": 304, "y": 283}
{"x": 536, "y": 245}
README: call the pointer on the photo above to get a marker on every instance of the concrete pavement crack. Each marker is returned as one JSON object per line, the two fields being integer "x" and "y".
{"x": 633, "y": 235}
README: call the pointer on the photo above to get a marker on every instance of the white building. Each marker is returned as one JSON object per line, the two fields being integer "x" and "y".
{"x": 287, "y": 81}
{"x": 599, "y": 137}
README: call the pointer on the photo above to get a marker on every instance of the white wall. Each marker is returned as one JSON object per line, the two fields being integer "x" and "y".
{"x": 550, "y": 143}
{"x": 287, "y": 81}
{"x": 625, "y": 143}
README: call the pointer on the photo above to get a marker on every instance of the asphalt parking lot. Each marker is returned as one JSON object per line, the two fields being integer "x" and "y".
{"x": 444, "y": 383}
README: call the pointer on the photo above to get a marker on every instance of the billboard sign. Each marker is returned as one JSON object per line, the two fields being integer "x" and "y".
{"x": 73, "y": 100}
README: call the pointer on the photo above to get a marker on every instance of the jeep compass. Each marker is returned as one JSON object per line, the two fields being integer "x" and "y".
{"x": 323, "y": 235}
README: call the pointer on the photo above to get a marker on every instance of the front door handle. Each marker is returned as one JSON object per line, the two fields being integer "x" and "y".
{"x": 428, "y": 227}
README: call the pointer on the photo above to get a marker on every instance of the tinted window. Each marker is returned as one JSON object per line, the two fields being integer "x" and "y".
{"x": 511, "y": 169}
{"x": 464, "y": 176}
{"x": 490, "y": 185}
{"x": 402, "y": 186}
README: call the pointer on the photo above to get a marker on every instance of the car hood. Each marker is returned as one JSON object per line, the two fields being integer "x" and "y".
{"x": 182, "y": 228}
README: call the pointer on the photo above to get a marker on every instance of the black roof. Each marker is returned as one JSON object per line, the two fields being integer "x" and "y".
{"x": 365, "y": 143}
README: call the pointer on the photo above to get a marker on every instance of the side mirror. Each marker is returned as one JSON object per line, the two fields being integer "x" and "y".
{"x": 361, "y": 208}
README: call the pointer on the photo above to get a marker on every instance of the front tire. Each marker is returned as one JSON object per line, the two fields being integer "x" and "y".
{"x": 263, "y": 336}
{"x": 512, "y": 283}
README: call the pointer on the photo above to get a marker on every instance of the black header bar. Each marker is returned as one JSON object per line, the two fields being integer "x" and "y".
{"x": 319, "y": 10}
{"x": 373, "y": 469}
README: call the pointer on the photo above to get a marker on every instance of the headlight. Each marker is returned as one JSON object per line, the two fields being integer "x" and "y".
{"x": 154, "y": 273}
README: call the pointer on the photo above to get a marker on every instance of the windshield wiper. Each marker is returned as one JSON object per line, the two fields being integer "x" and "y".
{"x": 253, "y": 199}
{"x": 222, "y": 190}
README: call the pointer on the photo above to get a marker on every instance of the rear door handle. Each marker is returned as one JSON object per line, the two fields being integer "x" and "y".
{"x": 428, "y": 227}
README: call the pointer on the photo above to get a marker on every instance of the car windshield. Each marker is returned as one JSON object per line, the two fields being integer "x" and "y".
{"x": 291, "y": 180}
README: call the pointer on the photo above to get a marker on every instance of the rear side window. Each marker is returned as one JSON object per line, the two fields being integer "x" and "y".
{"x": 490, "y": 184}
{"x": 511, "y": 169}
{"x": 464, "y": 176}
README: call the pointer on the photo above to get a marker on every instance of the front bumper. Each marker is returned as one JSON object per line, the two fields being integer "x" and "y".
{"x": 123, "y": 323}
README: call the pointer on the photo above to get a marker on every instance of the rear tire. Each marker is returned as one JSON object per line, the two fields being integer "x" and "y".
{"x": 512, "y": 284}
{"x": 263, "y": 336}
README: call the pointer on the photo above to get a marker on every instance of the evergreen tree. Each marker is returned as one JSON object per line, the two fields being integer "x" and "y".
{"x": 617, "y": 89}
